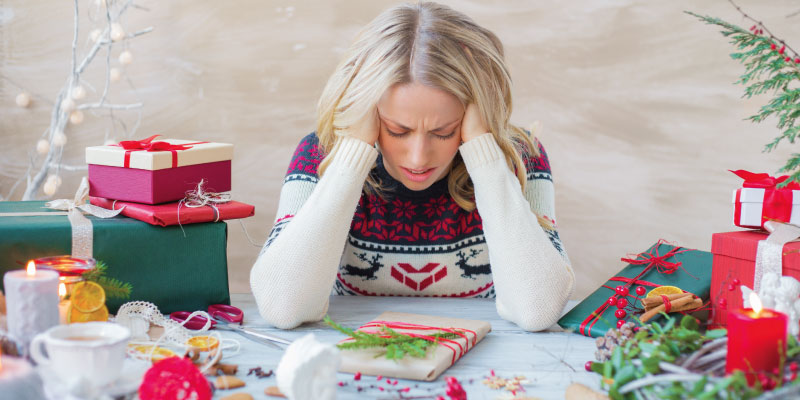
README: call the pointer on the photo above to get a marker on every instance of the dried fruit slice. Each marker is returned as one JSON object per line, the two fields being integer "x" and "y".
{"x": 74, "y": 315}
{"x": 87, "y": 296}
{"x": 665, "y": 290}
{"x": 203, "y": 343}
{"x": 159, "y": 353}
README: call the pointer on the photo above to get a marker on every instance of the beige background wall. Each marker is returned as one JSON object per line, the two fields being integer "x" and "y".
{"x": 640, "y": 116}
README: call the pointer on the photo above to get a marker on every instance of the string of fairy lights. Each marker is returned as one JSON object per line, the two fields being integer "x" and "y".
{"x": 78, "y": 97}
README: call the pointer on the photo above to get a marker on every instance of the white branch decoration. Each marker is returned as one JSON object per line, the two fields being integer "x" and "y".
{"x": 64, "y": 105}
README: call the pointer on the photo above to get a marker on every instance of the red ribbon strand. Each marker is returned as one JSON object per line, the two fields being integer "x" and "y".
{"x": 149, "y": 145}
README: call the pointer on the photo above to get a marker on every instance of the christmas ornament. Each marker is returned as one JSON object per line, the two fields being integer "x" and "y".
{"x": 78, "y": 92}
{"x": 49, "y": 188}
{"x": 42, "y": 146}
{"x": 779, "y": 293}
{"x": 23, "y": 99}
{"x": 67, "y": 105}
{"x": 125, "y": 57}
{"x": 76, "y": 117}
{"x": 307, "y": 370}
{"x": 114, "y": 74}
{"x": 59, "y": 139}
{"x": 117, "y": 33}
{"x": 55, "y": 179}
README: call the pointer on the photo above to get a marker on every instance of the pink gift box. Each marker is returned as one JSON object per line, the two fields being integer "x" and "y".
{"x": 160, "y": 172}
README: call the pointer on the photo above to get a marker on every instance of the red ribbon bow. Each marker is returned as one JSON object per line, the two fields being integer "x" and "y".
{"x": 149, "y": 145}
{"x": 649, "y": 260}
{"x": 763, "y": 180}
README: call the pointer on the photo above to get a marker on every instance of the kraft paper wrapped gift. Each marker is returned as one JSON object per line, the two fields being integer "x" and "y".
{"x": 173, "y": 271}
{"x": 154, "y": 172}
{"x": 438, "y": 359}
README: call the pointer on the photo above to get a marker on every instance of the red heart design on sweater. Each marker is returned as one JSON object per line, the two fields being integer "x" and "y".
{"x": 434, "y": 272}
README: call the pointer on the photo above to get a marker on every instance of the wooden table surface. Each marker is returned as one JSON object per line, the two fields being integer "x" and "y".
{"x": 551, "y": 360}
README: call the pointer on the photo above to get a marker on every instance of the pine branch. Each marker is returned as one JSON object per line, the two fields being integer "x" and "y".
{"x": 771, "y": 66}
{"x": 397, "y": 345}
{"x": 113, "y": 287}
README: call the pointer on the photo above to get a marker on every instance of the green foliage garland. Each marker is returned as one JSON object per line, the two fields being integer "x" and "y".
{"x": 114, "y": 288}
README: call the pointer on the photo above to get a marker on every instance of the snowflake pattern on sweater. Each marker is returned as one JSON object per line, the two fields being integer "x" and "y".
{"x": 411, "y": 243}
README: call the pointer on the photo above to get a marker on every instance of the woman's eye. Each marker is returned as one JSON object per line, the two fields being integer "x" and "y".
{"x": 395, "y": 134}
{"x": 445, "y": 137}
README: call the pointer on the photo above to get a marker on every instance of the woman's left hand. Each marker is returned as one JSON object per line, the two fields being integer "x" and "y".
{"x": 473, "y": 124}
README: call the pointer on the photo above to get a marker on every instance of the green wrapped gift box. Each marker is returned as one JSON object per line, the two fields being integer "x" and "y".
{"x": 689, "y": 270}
{"x": 174, "y": 271}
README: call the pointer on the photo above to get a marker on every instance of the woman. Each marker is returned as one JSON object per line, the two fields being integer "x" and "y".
{"x": 415, "y": 183}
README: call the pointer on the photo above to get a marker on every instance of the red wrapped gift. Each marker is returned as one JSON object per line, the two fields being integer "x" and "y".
{"x": 759, "y": 200}
{"x": 153, "y": 172}
{"x": 735, "y": 265}
{"x": 167, "y": 214}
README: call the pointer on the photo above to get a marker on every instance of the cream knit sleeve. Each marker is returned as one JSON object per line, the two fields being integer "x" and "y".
{"x": 533, "y": 279}
{"x": 293, "y": 276}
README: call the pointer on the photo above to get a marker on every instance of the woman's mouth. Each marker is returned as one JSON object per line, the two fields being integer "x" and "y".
{"x": 418, "y": 175}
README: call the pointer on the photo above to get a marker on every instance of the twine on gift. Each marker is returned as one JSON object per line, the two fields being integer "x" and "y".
{"x": 652, "y": 260}
{"x": 201, "y": 197}
{"x": 448, "y": 343}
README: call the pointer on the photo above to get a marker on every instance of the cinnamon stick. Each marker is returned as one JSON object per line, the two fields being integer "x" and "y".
{"x": 674, "y": 307}
{"x": 655, "y": 301}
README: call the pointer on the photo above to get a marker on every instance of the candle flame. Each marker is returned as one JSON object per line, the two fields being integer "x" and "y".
{"x": 31, "y": 268}
{"x": 755, "y": 303}
{"x": 62, "y": 290}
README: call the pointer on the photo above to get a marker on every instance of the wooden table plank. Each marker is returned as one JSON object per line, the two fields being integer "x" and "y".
{"x": 551, "y": 360}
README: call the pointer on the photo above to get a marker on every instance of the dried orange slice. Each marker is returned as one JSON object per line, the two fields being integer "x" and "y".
{"x": 88, "y": 296}
{"x": 159, "y": 353}
{"x": 74, "y": 315}
{"x": 203, "y": 343}
{"x": 664, "y": 290}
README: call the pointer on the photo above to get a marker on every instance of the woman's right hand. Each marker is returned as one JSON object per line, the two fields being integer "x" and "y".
{"x": 367, "y": 129}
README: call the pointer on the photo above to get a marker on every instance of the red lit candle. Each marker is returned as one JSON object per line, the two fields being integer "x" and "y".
{"x": 756, "y": 339}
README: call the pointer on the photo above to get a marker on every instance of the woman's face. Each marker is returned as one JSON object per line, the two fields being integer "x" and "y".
{"x": 420, "y": 131}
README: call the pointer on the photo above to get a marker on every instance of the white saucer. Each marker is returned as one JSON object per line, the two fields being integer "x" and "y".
{"x": 132, "y": 373}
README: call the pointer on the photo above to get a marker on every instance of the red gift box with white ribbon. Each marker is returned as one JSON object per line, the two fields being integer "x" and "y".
{"x": 153, "y": 171}
{"x": 760, "y": 200}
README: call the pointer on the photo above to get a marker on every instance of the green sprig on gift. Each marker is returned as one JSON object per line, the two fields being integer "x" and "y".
{"x": 113, "y": 287}
{"x": 770, "y": 66}
{"x": 673, "y": 360}
{"x": 397, "y": 345}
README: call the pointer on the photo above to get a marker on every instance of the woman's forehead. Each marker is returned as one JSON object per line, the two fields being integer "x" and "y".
{"x": 411, "y": 102}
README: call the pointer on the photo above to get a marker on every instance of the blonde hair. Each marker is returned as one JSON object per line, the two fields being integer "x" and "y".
{"x": 436, "y": 46}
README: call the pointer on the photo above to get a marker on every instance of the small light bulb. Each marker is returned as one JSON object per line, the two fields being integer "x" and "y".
{"x": 49, "y": 188}
{"x": 117, "y": 33}
{"x": 76, "y": 117}
{"x": 125, "y": 57}
{"x": 23, "y": 99}
{"x": 67, "y": 105}
{"x": 55, "y": 179}
{"x": 42, "y": 146}
{"x": 94, "y": 35}
{"x": 78, "y": 92}
{"x": 114, "y": 74}
{"x": 59, "y": 139}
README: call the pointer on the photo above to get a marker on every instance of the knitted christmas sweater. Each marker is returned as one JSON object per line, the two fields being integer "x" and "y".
{"x": 329, "y": 236}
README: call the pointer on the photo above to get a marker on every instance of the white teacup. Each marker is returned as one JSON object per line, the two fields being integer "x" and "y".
{"x": 92, "y": 352}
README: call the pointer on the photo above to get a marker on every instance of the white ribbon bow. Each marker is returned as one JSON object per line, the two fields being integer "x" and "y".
{"x": 82, "y": 232}
{"x": 769, "y": 256}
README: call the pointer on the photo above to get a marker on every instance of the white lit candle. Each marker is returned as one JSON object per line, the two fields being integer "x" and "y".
{"x": 31, "y": 302}
{"x": 63, "y": 304}
{"x": 18, "y": 380}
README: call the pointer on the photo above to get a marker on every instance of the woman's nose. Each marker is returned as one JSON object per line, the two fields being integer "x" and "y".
{"x": 417, "y": 151}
